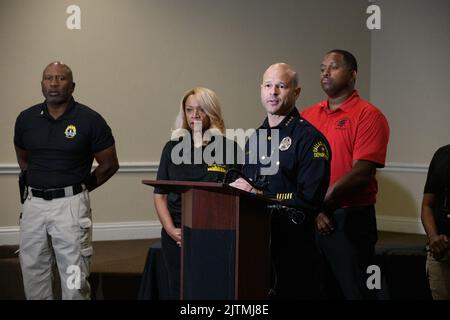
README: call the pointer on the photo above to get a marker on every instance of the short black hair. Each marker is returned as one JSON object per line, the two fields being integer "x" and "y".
{"x": 349, "y": 58}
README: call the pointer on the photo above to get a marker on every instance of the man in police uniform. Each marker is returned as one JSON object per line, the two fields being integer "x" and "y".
{"x": 56, "y": 142}
{"x": 300, "y": 183}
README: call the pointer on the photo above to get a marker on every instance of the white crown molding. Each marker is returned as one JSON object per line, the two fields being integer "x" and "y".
{"x": 152, "y": 167}
{"x": 101, "y": 231}
{"x": 405, "y": 167}
{"x": 139, "y": 167}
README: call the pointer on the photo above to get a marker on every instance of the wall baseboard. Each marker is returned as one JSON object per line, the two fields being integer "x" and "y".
{"x": 400, "y": 224}
{"x": 152, "y": 229}
{"x": 101, "y": 232}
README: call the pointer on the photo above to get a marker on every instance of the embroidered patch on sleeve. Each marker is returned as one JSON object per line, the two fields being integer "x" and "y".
{"x": 320, "y": 150}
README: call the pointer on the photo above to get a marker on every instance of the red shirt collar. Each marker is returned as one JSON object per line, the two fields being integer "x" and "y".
{"x": 345, "y": 106}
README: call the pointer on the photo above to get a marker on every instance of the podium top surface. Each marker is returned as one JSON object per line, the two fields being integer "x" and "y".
{"x": 183, "y": 186}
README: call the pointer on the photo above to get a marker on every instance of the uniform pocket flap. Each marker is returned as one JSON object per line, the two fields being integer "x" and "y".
{"x": 85, "y": 223}
{"x": 87, "y": 252}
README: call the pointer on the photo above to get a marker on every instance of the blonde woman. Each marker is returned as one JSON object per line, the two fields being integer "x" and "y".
{"x": 198, "y": 124}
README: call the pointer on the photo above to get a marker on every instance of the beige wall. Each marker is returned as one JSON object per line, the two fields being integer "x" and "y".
{"x": 409, "y": 82}
{"x": 132, "y": 61}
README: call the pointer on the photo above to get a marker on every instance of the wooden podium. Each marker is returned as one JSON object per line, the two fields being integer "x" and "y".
{"x": 225, "y": 252}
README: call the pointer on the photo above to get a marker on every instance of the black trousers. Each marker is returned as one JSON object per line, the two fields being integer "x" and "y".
{"x": 294, "y": 259}
{"x": 171, "y": 253}
{"x": 347, "y": 252}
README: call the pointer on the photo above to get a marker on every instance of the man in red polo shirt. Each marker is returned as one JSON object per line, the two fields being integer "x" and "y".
{"x": 358, "y": 134}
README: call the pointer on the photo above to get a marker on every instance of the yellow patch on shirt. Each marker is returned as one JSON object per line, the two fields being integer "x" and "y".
{"x": 71, "y": 131}
{"x": 217, "y": 168}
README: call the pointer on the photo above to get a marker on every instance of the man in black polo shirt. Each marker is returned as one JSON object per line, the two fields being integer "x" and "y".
{"x": 56, "y": 142}
{"x": 436, "y": 222}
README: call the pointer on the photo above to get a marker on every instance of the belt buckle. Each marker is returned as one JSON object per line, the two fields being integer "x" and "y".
{"x": 47, "y": 195}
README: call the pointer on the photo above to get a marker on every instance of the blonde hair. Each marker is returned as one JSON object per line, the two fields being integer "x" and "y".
{"x": 209, "y": 102}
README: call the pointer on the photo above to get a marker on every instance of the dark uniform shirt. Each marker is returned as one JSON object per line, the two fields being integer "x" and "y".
{"x": 303, "y": 165}
{"x": 214, "y": 172}
{"x": 301, "y": 182}
{"x": 438, "y": 183}
{"x": 60, "y": 151}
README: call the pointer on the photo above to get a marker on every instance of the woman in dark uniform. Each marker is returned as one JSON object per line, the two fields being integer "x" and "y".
{"x": 198, "y": 125}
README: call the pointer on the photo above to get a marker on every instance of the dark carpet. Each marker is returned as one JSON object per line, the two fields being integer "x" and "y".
{"x": 117, "y": 267}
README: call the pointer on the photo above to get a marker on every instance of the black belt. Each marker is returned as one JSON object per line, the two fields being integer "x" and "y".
{"x": 297, "y": 216}
{"x": 50, "y": 194}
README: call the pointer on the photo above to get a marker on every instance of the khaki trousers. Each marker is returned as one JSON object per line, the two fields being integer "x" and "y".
{"x": 58, "y": 230}
{"x": 438, "y": 272}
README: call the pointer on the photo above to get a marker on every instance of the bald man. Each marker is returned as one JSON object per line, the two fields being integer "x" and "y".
{"x": 56, "y": 142}
{"x": 301, "y": 156}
